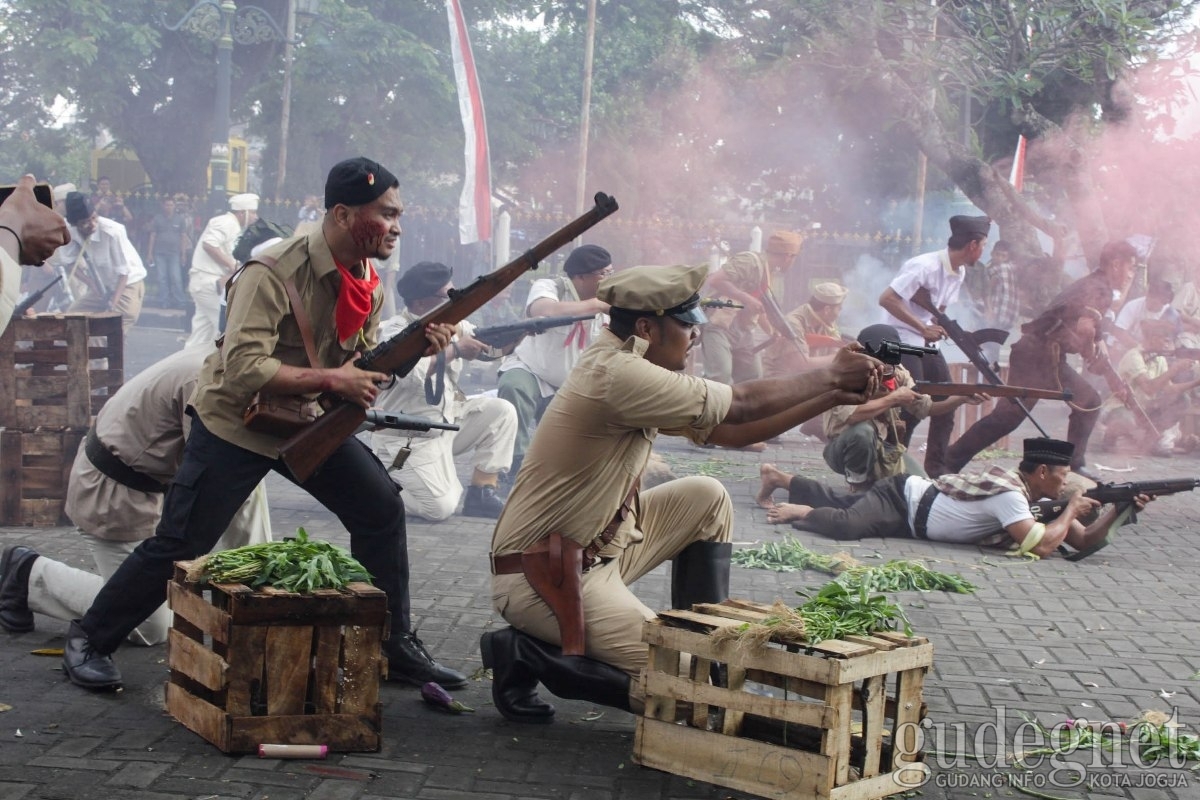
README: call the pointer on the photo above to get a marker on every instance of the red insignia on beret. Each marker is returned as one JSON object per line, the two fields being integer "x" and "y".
{"x": 370, "y": 179}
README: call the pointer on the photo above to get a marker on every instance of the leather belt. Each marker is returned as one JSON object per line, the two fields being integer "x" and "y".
{"x": 112, "y": 467}
{"x": 921, "y": 520}
{"x": 510, "y": 564}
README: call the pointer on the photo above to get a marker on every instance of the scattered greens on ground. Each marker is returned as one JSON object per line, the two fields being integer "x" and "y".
{"x": 894, "y": 576}
{"x": 294, "y": 564}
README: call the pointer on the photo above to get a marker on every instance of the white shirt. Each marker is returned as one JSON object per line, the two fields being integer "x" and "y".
{"x": 965, "y": 521}
{"x": 10, "y": 288}
{"x": 551, "y": 356}
{"x": 110, "y": 251}
{"x": 221, "y": 232}
{"x": 933, "y": 272}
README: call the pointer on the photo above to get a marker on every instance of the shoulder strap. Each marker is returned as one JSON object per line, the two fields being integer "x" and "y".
{"x": 298, "y": 309}
{"x": 301, "y": 314}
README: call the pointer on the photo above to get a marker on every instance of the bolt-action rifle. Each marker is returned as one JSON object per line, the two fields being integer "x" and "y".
{"x": 1119, "y": 494}
{"x": 30, "y": 301}
{"x": 970, "y": 342}
{"x": 306, "y": 450}
{"x": 504, "y": 335}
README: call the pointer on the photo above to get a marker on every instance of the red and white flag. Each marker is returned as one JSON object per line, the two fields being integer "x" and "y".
{"x": 1017, "y": 176}
{"x": 475, "y": 203}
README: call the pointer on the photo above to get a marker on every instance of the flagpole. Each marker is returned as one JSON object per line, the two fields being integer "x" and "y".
{"x": 585, "y": 114}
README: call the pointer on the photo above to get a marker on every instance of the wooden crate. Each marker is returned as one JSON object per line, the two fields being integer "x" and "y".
{"x": 251, "y": 667}
{"x": 57, "y": 370}
{"x": 843, "y": 727}
{"x": 34, "y": 468}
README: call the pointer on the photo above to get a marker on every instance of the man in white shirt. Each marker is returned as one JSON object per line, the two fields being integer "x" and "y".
{"x": 532, "y": 374}
{"x": 488, "y": 425}
{"x": 213, "y": 263}
{"x": 935, "y": 278}
{"x": 990, "y": 507}
{"x": 101, "y": 257}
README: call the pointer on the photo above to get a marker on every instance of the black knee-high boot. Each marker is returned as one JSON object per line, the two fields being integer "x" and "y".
{"x": 519, "y": 662}
{"x": 700, "y": 574}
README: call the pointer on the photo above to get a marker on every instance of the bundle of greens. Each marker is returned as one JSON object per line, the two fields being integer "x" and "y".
{"x": 895, "y": 576}
{"x": 295, "y": 565}
{"x": 834, "y": 612}
{"x": 837, "y": 611}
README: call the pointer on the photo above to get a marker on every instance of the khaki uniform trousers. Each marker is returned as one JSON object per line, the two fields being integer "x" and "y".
{"x": 64, "y": 592}
{"x": 672, "y": 516}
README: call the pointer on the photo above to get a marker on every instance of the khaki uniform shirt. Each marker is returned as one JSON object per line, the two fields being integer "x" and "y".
{"x": 837, "y": 418}
{"x": 145, "y": 425}
{"x": 261, "y": 334}
{"x": 595, "y": 439}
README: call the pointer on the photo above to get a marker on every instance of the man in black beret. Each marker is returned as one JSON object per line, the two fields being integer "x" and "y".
{"x": 932, "y": 280}
{"x": 330, "y": 273}
{"x": 539, "y": 365}
{"x": 991, "y": 507}
{"x": 488, "y": 425}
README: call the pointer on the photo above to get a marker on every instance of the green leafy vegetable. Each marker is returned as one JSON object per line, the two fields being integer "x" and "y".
{"x": 294, "y": 564}
{"x": 895, "y": 576}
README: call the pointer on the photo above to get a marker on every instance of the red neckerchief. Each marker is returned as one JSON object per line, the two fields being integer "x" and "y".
{"x": 578, "y": 335}
{"x": 354, "y": 300}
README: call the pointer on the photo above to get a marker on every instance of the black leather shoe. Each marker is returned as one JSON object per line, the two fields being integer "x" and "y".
{"x": 15, "y": 564}
{"x": 482, "y": 501}
{"x": 410, "y": 662}
{"x": 84, "y": 666}
{"x": 514, "y": 682}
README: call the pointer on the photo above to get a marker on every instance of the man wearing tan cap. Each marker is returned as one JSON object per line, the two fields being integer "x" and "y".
{"x": 213, "y": 263}
{"x": 818, "y": 317}
{"x": 729, "y": 345}
{"x": 576, "y": 530}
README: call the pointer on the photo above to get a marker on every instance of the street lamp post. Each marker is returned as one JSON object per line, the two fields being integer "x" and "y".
{"x": 224, "y": 23}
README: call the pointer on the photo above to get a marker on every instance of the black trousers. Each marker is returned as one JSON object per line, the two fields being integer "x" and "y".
{"x": 212, "y": 482}
{"x": 930, "y": 368}
{"x": 880, "y": 511}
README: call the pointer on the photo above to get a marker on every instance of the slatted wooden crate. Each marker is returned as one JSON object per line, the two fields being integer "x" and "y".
{"x": 34, "y": 467}
{"x": 251, "y": 667}
{"x": 841, "y": 723}
{"x": 57, "y": 370}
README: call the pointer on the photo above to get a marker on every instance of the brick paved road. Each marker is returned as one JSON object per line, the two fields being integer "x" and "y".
{"x": 1099, "y": 639}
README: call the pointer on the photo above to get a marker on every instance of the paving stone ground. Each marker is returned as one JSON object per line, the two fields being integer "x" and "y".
{"x": 1105, "y": 638}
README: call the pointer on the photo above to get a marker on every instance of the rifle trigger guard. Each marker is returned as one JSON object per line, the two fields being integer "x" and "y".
{"x": 383, "y": 387}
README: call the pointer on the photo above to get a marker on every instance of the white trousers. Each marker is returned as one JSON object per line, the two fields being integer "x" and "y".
{"x": 203, "y": 288}
{"x": 64, "y": 592}
{"x": 431, "y": 486}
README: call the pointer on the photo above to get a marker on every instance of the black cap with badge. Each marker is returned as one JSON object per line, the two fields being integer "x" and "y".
{"x": 356, "y": 182}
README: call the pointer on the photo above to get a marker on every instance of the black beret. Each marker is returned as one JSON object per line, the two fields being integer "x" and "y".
{"x": 1053, "y": 452}
{"x": 424, "y": 279}
{"x": 976, "y": 227}
{"x": 79, "y": 207}
{"x": 587, "y": 258}
{"x": 356, "y": 182}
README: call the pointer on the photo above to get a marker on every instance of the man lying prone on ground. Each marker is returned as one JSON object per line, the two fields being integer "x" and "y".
{"x": 980, "y": 508}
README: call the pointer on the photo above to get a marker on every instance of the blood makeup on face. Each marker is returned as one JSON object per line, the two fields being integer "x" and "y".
{"x": 368, "y": 234}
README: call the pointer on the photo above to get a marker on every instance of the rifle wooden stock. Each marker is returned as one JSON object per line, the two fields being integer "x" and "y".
{"x": 1001, "y": 390}
{"x": 308, "y": 449}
